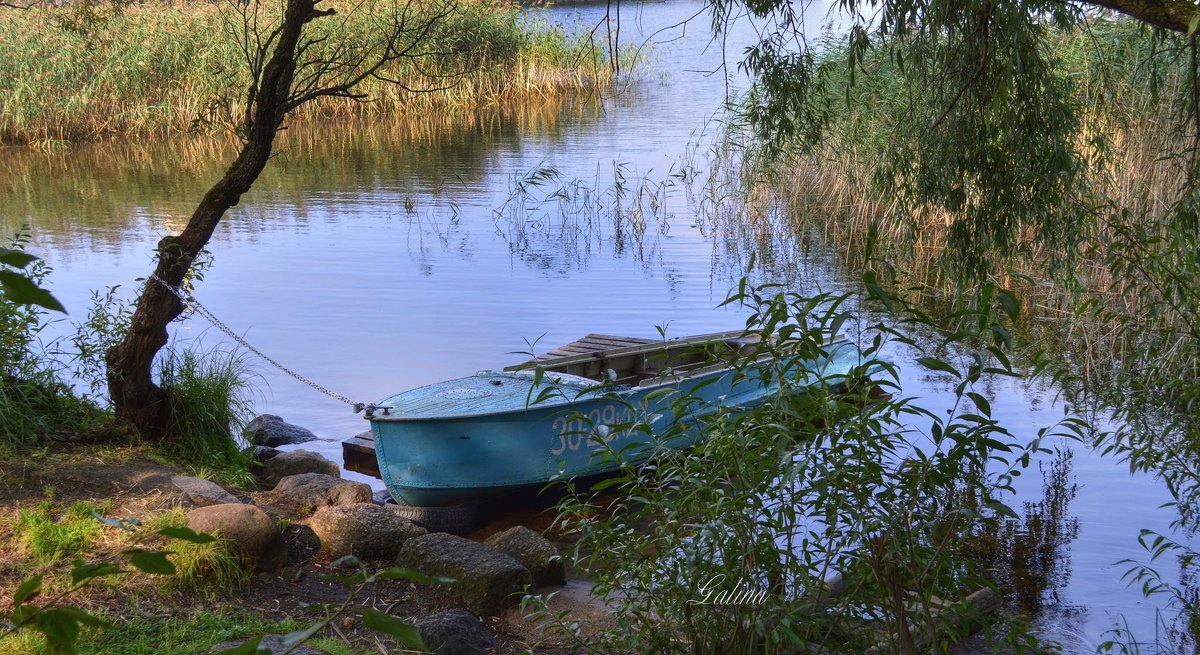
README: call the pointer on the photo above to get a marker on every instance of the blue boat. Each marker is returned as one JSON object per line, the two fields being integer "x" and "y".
{"x": 469, "y": 440}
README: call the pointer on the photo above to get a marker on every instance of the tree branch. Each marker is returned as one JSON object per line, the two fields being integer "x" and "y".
{"x": 1173, "y": 15}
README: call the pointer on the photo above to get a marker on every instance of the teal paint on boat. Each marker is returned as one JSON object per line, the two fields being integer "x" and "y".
{"x": 469, "y": 440}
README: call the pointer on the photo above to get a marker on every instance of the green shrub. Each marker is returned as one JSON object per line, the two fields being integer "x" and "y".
{"x": 209, "y": 392}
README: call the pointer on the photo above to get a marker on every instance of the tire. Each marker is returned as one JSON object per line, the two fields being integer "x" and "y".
{"x": 455, "y": 519}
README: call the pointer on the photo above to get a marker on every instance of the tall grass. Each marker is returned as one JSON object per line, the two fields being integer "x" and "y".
{"x": 174, "y": 68}
{"x": 210, "y": 396}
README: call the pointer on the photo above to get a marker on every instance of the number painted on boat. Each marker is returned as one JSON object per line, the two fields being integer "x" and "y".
{"x": 577, "y": 432}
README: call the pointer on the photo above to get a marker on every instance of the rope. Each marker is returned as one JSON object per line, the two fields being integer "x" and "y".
{"x": 190, "y": 301}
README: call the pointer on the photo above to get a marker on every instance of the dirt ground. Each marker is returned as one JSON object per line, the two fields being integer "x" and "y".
{"x": 138, "y": 488}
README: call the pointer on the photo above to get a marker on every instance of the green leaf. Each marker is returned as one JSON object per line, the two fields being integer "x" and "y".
{"x": 82, "y": 571}
{"x": 402, "y": 631}
{"x": 22, "y": 291}
{"x": 1194, "y": 24}
{"x": 155, "y": 562}
{"x": 1009, "y": 302}
{"x": 27, "y": 590}
{"x": 60, "y": 628}
{"x": 187, "y": 534}
{"x": 935, "y": 364}
{"x": 301, "y": 636}
{"x": 346, "y": 562}
{"x": 400, "y": 573}
{"x": 16, "y": 258}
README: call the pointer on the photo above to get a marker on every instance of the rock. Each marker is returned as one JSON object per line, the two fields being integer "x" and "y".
{"x": 272, "y": 644}
{"x": 262, "y": 453}
{"x": 383, "y": 497}
{"x": 203, "y": 492}
{"x": 317, "y": 490}
{"x": 532, "y": 550}
{"x": 485, "y": 579}
{"x": 270, "y": 430}
{"x": 455, "y": 632}
{"x": 295, "y": 462}
{"x": 252, "y": 533}
{"x": 365, "y": 530}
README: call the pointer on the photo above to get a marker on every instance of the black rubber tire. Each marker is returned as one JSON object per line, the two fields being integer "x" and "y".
{"x": 455, "y": 519}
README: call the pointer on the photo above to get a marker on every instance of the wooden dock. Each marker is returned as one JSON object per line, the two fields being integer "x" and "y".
{"x": 593, "y": 344}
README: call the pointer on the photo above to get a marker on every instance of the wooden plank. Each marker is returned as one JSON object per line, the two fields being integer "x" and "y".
{"x": 358, "y": 454}
{"x": 633, "y": 341}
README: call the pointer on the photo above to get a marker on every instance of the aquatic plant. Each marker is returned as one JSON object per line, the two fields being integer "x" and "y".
{"x": 178, "y": 68}
{"x": 835, "y": 518}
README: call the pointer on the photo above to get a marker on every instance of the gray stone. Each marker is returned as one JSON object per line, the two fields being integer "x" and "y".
{"x": 455, "y": 632}
{"x": 272, "y": 644}
{"x": 317, "y": 490}
{"x": 534, "y": 551}
{"x": 252, "y": 533}
{"x": 296, "y": 462}
{"x": 271, "y": 430}
{"x": 485, "y": 579}
{"x": 263, "y": 453}
{"x": 364, "y": 530}
{"x": 203, "y": 492}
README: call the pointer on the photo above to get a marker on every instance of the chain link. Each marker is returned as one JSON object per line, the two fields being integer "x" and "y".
{"x": 190, "y": 301}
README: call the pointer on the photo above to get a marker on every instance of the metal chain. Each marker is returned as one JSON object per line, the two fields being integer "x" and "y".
{"x": 190, "y": 301}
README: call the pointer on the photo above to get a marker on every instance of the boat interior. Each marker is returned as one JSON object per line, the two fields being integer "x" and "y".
{"x": 645, "y": 362}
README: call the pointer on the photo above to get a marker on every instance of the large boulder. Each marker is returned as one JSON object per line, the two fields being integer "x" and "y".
{"x": 455, "y": 632}
{"x": 296, "y": 462}
{"x": 271, "y": 430}
{"x": 247, "y": 528}
{"x": 318, "y": 490}
{"x": 485, "y": 579}
{"x": 365, "y": 530}
{"x": 534, "y": 551}
{"x": 201, "y": 492}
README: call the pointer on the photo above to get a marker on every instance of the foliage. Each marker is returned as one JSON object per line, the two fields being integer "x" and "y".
{"x": 827, "y": 518}
{"x": 60, "y": 625}
{"x": 34, "y": 402}
{"x": 210, "y": 396}
{"x": 174, "y": 68}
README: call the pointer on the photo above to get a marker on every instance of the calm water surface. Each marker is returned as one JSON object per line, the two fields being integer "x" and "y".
{"x": 384, "y": 256}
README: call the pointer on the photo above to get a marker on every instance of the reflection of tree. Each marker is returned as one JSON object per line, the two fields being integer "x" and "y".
{"x": 1031, "y": 556}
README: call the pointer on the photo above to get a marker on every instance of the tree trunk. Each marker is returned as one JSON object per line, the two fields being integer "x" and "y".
{"x": 139, "y": 402}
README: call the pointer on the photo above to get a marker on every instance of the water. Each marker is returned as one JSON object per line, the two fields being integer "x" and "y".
{"x": 377, "y": 257}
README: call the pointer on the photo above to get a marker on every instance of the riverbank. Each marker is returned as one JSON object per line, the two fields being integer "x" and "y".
{"x": 171, "y": 69}
{"x": 46, "y": 502}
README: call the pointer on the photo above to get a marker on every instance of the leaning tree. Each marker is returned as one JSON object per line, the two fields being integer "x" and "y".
{"x": 290, "y": 65}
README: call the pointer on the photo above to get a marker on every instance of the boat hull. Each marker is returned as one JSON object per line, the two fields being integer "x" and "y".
{"x": 473, "y": 459}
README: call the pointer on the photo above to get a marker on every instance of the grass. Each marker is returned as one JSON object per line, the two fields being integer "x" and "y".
{"x": 177, "y": 68}
{"x": 142, "y": 631}
{"x": 210, "y": 396}
{"x": 212, "y": 566}
{"x": 49, "y": 535}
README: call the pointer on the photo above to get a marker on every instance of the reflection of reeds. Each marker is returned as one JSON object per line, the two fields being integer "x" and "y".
{"x": 107, "y": 187}
{"x": 169, "y": 69}
{"x": 561, "y": 220}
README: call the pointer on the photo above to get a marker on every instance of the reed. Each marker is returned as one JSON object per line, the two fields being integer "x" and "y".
{"x": 1126, "y": 86}
{"x": 163, "y": 69}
